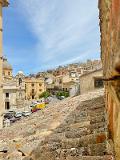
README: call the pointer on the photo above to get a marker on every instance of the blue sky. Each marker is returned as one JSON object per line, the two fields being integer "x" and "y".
{"x": 42, "y": 34}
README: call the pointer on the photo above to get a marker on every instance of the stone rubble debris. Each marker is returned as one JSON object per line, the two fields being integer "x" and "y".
{"x": 72, "y": 129}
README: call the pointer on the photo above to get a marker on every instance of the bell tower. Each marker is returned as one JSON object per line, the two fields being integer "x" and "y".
{"x": 3, "y": 3}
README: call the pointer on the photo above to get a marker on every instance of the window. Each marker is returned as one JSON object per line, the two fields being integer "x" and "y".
{"x": 7, "y": 95}
{"x": 20, "y": 81}
{"x": 40, "y": 84}
{"x": 32, "y": 90}
{"x": 9, "y": 73}
{"x": 20, "y": 95}
{"x": 98, "y": 83}
{"x": 32, "y": 84}
{"x": 33, "y": 96}
{"x": 7, "y": 105}
{"x": 25, "y": 87}
{"x": 40, "y": 90}
{"x": 60, "y": 81}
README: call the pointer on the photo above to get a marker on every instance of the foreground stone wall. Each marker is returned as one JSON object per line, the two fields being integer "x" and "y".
{"x": 110, "y": 54}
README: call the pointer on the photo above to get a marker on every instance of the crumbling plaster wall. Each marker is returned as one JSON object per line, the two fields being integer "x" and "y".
{"x": 110, "y": 54}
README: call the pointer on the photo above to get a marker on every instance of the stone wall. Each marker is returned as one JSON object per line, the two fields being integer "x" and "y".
{"x": 110, "y": 54}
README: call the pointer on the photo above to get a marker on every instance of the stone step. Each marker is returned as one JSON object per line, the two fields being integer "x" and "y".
{"x": 66, "y": 127}
{"x": 97, "y": 119}
{"x": 78, "y": 133}
{"x": 93, "y": 119}
{"x": 83, "y": 141}
{"x": 92, "y": 103}
{"x": 97, "y": 110}
{"x": 97, "y": 125}
{"x": 73, "y": 133}
{"x": 81, "y": 128}
{"x": 107, "y": 157}
{"x": 90, "y": 108}
{"x": 85, "y": 124}
{"x": 91, "y": 150}
{"x": 94, "y": 114}
{"x": 99, "y": 149}
{"x": 85, "y": 115}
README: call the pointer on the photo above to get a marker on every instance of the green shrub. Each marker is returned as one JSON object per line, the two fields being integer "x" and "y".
{"x": 62, "y": 93}
{"x": 45, "y": 94}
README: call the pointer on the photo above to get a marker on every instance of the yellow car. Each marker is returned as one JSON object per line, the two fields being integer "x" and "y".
{"x": 38, "y": 106}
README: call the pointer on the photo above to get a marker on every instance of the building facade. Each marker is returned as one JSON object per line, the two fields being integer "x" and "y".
{"x": 91, "y": 81}
{"x": 71, "y": 87}
{"x": 34, "y": 87}
{"x": 7, "y": 69}
{"x": 3, "y": 3}
{"x": 110, "y": 54}
{"x": 14, "y": 91}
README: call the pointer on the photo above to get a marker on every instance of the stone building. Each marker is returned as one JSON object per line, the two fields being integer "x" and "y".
{"x": 3, "y": 3}
{"x": 91, "y": 81}
{"x": 13, "y": 87}
{"x": 71, "y": 87}
{"x": 17, "y": 89}
{"x": 49, "y": 82}
{"x": 7, "y": 69}
{"x": 110, "y": 54}
{"x": 14, "y": 91}
{"x": 34, "y": 87}
{"x": 20, "y": 89}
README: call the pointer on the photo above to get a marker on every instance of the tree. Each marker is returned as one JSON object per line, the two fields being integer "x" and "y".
{"x": 45, "y": 94}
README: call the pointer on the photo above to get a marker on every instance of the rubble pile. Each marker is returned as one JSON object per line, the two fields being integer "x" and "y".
{"x": 73, "y": 129}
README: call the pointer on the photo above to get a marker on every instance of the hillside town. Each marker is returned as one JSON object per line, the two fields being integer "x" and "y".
{"x": 21, "y": 90}
{"x": 71, "y": 112}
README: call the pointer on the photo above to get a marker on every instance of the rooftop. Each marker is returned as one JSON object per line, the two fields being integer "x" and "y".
{"x": 6, "y": 64}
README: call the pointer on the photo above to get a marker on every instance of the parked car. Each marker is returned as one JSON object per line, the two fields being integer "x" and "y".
{"x": 38, "y": 106}
{"x": 13, "y": 120}
{"x": 12, "y": 112}
{"x": 26, "y": 113}
{"x": 31, "y": 106}
{"x": 47, "y": 101}
{"x": 61, "y": 97}
{"x": 18, "y": 115}
{"x": 8, "y": 115}
{"x": 34, "y": 110}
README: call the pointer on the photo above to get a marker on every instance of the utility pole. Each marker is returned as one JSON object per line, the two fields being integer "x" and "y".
{"x": 3, "y": 3}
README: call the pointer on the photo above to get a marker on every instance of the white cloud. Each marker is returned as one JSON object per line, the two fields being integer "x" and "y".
{"x": 61, "y": 26}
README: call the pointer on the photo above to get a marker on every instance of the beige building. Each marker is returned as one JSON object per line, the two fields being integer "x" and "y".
{"x": 13, "y": 87}
{"x": 7, "y": 69}
{"x": 58, "y": 82}
{"x": 18, "y": 89}
{"x": 71, "y": 87}
{"x": 3, "y": 3}
{"x": 14, "y": 91}
{"x": 91, "y": 81}
{"x": 34, "y": 87}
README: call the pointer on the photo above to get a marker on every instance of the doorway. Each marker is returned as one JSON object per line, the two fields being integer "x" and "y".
{"x": 7, "y": 105}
